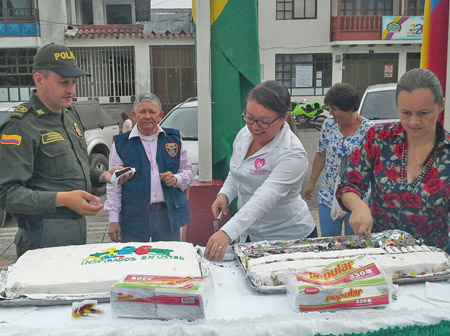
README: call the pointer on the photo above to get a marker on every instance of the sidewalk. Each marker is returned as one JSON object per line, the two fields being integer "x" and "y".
{"x": 97, "y": 232}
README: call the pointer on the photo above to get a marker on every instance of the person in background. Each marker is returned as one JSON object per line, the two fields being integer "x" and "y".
{"x": 127, "y": 125}
{"x": 266, "y": 174}
{"x": 152, "y": 204}
{"x": 340, "y": 134}
{"x": 45, "y": 174}
{"x": 406, "y": 163}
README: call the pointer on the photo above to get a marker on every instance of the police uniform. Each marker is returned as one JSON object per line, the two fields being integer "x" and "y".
{"x": 41, "y": 154}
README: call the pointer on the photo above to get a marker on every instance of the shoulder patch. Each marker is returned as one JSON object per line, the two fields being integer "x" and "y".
{"x": 20, "y": 111}
{"x": 11, "y": 139}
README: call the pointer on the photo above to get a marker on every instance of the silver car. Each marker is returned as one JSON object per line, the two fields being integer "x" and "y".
{"x": 379, "y": 104}
{"x": 184, "y": 117}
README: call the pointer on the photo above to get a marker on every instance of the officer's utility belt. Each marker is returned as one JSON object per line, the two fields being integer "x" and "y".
{"x": 33, "y": 222}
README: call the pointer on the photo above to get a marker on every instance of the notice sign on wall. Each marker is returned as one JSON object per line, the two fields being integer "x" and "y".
{"x": 402, "y": 27}
{"x": 303, "y": 76}
{"x": 388, "y": 71}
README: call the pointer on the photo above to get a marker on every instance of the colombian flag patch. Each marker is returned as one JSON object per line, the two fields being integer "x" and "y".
{"x": 11, "y": 139}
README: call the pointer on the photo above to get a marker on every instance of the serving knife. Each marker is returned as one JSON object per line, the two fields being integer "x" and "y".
{"x": 216, "y": 222}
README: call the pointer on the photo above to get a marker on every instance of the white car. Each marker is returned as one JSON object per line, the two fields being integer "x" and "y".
{"x": 379, "y": 104}
{"x": 184, "y": 117}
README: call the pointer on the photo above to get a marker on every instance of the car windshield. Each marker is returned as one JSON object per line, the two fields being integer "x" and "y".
{"x": 380, "y": 105}
{"x": 183, "y": 119}
{"x": 3, "y": 117}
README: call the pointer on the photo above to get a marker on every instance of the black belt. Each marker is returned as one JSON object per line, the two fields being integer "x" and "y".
{"x": 157, "y": 206}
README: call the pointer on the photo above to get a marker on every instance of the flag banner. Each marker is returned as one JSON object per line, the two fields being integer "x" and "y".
{"x": 235, "y": 70}
{"x": 435, "y": 40}
{"x": 402, "y": 27}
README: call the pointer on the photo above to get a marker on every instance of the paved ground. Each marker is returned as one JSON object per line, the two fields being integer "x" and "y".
{"x": 98, "y": 225}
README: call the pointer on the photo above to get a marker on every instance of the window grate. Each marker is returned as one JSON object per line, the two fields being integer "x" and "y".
{"x": 113, "y": 73}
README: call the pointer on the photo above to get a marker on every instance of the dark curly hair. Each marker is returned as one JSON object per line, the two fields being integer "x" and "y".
{"x": 343, "y": 96}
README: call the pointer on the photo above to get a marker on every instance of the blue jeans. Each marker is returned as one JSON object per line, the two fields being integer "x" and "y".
{"x": 330, "y": 227}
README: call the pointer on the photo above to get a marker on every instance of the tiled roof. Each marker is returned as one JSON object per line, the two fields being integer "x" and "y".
{"x": 171, "y": 11}
{"x": 117, "y": 31}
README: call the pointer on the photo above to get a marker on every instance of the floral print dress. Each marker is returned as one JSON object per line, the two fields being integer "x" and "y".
{"x": 422, "y": 207}
{"x": 335, "y": 146}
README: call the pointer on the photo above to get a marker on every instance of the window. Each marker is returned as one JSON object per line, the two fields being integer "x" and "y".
{"x": 16, "y": 10}
{"x": 142, "y": 10}
{"x": 16, "y": 66}
{"x": 87, "y": 13}
{"x": 296, "y": 9}
{"x": 416, "y": 7}
{"x": 118, "y": 14}
{"x": 304, "y": 74}
{"x": 367, "y": 7}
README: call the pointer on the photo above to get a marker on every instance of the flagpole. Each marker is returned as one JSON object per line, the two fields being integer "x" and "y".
{"x": 203, "y": 33}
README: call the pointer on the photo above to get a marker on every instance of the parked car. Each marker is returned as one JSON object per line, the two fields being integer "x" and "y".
{"x": 378, "y": 103}
{"x": 184, "y": 117}
{"x": 99, "y": 129}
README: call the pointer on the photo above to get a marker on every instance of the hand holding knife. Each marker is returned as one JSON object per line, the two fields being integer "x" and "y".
{"x": 216, "y": 222}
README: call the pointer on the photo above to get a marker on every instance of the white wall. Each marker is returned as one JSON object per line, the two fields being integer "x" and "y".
{"x": 53, "y": 16}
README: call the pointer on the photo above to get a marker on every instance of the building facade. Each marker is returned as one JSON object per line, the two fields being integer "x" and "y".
{"x": 128, "y": 48}
{"x": 309, "y": 44}
{"x": 306, "y": 44}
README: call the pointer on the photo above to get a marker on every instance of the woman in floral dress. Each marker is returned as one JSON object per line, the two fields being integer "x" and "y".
{"x": 340, "y": 134}
{"x": 408, "y": 166}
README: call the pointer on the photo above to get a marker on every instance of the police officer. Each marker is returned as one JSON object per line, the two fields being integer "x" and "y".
{"x": 45, "y": 176}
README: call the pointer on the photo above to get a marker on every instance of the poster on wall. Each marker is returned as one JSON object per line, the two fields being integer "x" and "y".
{"x": 402, "y": 27}
{"x": 303, "y": 76}
{"x": 388, "y": 71}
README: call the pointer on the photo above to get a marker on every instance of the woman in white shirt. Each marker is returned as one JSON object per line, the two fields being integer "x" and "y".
{"x": 266, "y": 175}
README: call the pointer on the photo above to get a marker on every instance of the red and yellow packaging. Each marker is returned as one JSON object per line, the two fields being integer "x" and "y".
{"x": 349, "y": 283}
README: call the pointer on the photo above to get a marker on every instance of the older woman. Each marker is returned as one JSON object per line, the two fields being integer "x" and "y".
{"x": 340, "y": 134}
{"x": 407, "y": 164}
{"x": 266, "y": 174}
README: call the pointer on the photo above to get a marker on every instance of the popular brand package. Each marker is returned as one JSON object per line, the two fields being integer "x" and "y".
{"x": 160, "y": 297}
{"x": 351, "y": 283}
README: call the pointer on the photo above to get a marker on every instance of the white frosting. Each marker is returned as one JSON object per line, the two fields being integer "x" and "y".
{"x": 94, "y": 268}
{"x": 274, "y": 269}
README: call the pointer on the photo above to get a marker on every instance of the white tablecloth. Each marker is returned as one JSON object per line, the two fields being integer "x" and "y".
{"x": 235, "y": 309}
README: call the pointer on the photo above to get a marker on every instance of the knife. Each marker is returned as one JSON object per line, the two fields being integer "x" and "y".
{"x": 216, "y": 222}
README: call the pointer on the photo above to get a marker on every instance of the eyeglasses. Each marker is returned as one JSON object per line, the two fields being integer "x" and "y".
{"x": 260, "y": 123}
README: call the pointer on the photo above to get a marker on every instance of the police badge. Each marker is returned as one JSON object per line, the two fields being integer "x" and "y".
{"x": 172, "y": 149}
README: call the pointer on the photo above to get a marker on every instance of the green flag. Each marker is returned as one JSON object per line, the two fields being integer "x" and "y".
{"x": 235, "y": 71}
